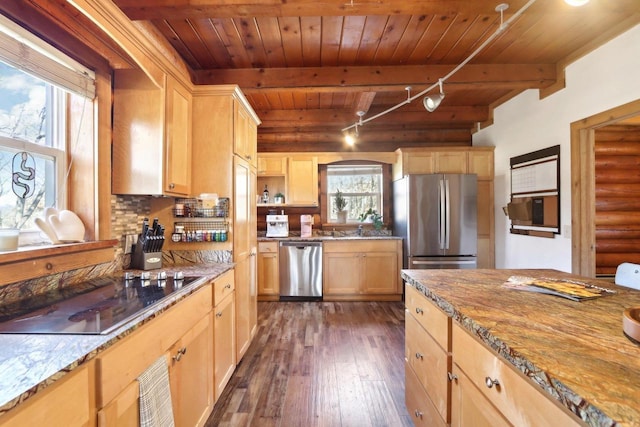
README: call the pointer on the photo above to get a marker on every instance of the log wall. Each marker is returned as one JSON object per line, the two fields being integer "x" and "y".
{"x": 617, "y": 171}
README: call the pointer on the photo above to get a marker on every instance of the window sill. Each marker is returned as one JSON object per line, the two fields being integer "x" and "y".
{"x": 36, "y": 261}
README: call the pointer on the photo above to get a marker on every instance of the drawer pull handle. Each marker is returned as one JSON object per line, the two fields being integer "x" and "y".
{"x": 452, "y": 376}
{"x": 419, "y": 356}
{"x": 490, "y": 382}
{"x": 219, "y": 314}
{"x": 419, "y": 310}
{"x": 179, "y": 354}
{"x": 418, "y": 414}
{"x": 228, "y": 286}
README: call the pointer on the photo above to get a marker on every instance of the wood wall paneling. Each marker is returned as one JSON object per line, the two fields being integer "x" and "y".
{"x": 617, "y": 197}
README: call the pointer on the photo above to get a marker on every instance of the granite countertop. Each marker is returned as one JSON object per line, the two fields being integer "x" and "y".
{"x": 327, "y": 238}
{"x": 576, "y": 351}
{"x": 31, "y": 362}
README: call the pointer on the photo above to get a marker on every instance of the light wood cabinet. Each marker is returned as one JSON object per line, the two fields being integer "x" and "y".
{"x": 224, "y": 336}
{"x": 184, "y": 330}
{"x": 515, "y": 397}
{"x": 478, "y": 387}
{"x": 190, "y": 372}
{"x": 151, "y": 136}
{"x": 225, "y": 135}
{"x": 268, "y": 271}
{"x": 68, "y": 402}
{"x": 475, "y": 160}
{"x": 419, "y": 406}
{"x": 302, "y": 181}
{"x": 272, "y": 165}
{"x": 366, "y": 269}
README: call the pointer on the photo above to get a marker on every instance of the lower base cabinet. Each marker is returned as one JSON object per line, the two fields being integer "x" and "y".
{"x": 484, "y": 389}
{"x": 182, "y": 335}
{"x": 68, "y": 402}
{"x": 224, "y": 334}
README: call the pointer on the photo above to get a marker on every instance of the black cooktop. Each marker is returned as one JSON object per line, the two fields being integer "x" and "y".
{"x": 97, "y": 306}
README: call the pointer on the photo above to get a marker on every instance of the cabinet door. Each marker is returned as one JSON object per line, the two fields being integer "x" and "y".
{"x": 123, "y": 410}
{"x": 341, "y": 273}
{"x": 224, "y": 343}
{"x": 66, "y": 403}
{"x": 244, "y": 139}
{"x": 485, "y": 225}
{"x": 268, "y": 274}
{"x": 380, "y": 273}
{"x": 242, "y": 214}
{"x": 272, "y": 166}
{"x": 243, "y": 306}
{"x": 178, "y": 139}
{"x": 190, "y": 373}
{"x": 451, "y": 162}
{"x": 418, "y": 163}
{"x": 469, "y": 407}
{"x": 303, "y": 181}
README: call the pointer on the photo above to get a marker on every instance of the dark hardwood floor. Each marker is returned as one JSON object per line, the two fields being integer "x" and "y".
{"x": 320, "y": 364}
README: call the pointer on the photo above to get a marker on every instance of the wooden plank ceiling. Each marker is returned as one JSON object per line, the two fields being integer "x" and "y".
{"x": 307, "y": 66}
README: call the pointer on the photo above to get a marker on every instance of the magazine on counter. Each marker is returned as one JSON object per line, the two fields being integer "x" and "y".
{"x": 570, "y": 289}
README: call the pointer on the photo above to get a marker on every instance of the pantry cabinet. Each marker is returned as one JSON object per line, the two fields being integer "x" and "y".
{"x": 151, "y": 136}
{"x": 268, "y": 271}
{"x": 224, "y": 142}
{"x": 475, "y": 160}
{"x": 465, "y": 382}
{"x": 362, "y": 270}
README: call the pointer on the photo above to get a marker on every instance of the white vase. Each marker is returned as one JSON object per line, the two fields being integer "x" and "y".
{"x": 342, "y": 217}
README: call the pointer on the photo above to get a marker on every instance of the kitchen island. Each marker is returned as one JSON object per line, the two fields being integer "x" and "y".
{"x": 573, "y": 353}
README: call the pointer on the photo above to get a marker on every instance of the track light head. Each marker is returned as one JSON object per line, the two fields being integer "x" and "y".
{"x": 431, "y": 102}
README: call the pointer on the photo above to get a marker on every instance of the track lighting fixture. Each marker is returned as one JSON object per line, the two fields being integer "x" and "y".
{"x": 350, "y": 138}
{"x": 431, "y": 102}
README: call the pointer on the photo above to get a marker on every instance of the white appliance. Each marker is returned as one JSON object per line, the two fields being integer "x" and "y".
{"x": 306, "y": 222}
{"x": 277, "y": 225}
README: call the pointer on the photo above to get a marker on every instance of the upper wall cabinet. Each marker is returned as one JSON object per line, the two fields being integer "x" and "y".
{"x": 478, "y": 160}
{"x": 295, "y": 176}
{"x": 151, "y": 136}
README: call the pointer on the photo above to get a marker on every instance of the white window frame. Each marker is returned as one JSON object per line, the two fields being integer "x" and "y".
{"x": 346, "y": 166}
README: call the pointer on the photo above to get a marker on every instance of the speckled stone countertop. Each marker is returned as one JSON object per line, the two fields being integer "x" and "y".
{"x": 30, "y": 363}
{"x": 327, "y": 238}
{"x": 576, "y": 351}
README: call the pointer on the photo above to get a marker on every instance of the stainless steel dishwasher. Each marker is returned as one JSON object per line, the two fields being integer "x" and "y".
{"x": 300, "y": 270}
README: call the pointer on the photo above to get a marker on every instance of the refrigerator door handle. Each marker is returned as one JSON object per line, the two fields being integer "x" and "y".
{"x": 447, "y": 208}
{"x": 442, "y": 215}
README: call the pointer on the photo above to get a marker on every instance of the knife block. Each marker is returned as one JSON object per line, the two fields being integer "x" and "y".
{"x": 145, "y": 260}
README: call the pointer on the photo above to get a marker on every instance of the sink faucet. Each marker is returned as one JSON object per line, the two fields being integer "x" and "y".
{"x": 360, "y": 230}
{"x": 333, "y": 233}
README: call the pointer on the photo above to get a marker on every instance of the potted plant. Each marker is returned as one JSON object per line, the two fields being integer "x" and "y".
{"x": 278, "y": 198}
{"x": 340, "y": 203}
{"x": 372, "y": 216}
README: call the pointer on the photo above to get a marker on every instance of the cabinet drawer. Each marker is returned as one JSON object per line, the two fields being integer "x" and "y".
{"x": 518, "y": 398}
{"x": 361, "y": 246}
{"x": 267, "y": 247}
{"x": 432, "y": 319}
{"x": 125, "y": 361}
{"x": 422, "y": 411}
{"x": 223, "y": 286}
{"x": 430, "y": 364}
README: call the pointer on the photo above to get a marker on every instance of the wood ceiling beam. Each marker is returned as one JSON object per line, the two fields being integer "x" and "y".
{"x": 354, "y": 79}
{"x": 419, "y": 135}
{"x": 203, "y": 9}
{"x": 363, "y": 102}
{"x": 319, "y": 117}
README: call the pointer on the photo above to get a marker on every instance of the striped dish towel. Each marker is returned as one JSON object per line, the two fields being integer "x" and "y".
{"x": 155, "y": 396}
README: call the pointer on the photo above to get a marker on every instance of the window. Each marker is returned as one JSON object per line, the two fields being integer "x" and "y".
{"x": 36, "y": 84}
{"x": 30, "y": 150}
{"x": 360, "y": 185}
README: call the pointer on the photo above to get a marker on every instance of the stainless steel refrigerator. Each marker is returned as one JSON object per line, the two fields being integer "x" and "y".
{"x": 436, "y": 214}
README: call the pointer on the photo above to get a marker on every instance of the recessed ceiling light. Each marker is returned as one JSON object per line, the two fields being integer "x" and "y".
{"x": 576, "y": 2}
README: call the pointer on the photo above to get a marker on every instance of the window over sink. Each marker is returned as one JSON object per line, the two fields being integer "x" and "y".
{"x": 361, "y": 186}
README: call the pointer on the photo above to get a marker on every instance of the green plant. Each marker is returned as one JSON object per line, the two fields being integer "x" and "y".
{"x": 279, "y": 195}
{"x": 339, "y": 202}
{"x": 376, "y": 218}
